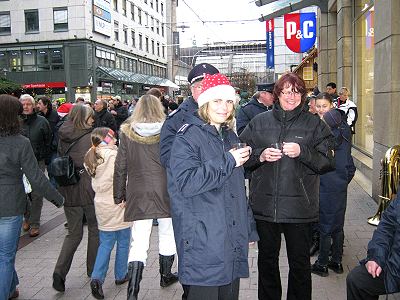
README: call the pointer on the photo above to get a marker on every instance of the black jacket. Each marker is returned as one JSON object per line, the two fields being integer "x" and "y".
{"x": 52, "y": 117}
{"x": 247, "y": 112}
{"x": 17, "y": 158}
{"x": 37, "y": 130}
{"x": 121, "y": 116}
{"x": 104, "y": 118}
{"x": 286, "y": 191}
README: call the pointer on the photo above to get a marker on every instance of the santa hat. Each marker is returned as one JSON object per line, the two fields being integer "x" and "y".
{"x": 64, "y": 109}
{"x": 214, "y": 87}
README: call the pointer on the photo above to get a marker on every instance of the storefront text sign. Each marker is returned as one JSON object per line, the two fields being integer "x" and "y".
{"x": 300, "y": 31}
{"x": 270, "y": 44}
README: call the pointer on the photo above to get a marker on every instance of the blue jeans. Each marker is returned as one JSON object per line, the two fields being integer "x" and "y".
{"x": 107, "y": 242}
{"x": 10, "y": 230}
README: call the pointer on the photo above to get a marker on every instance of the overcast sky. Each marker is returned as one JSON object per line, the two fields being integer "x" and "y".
{"x": 219, "y": 10}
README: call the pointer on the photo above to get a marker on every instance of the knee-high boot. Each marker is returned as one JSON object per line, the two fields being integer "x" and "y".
{"x": 135, "y": 270}
{"x": 166, "y": 277}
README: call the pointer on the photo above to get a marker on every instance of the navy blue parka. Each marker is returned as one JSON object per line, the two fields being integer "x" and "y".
{"x": 333, "y": 185}
{"x": 212, "y": 221}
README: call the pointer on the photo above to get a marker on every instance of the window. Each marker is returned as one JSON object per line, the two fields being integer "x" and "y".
{"x": 124, "y": 7}
{"x": 162, "y": 9}
{"x": 152, "y": 24}
{"x": 147, "y": 44}
{"x": 158, "y": 27}
{"x": 15, "y": 60}
{"x": 43, "y": 60}
{"x": 152, "y": 47}
{"x": 140, "y": 41}
{"x": 29, "y": 60}
{"x": 5, "y": 23}
{"x": 115, "y": 5}
{"x": 145, "y": 1}
{"x": 3, "y": 60}
{"x": 147, "y": 20}
{"x": 158, "y": 49}
{"x": 140, "y": 16}
{"x": 132, "y": 12}
{"x": 56, "y": 59}
{"x": 133, "y": 39}
{"x": 156, "y": 5}
{"x": 125, "y": 34}
{"x": 116, "y": 31}
{"x": 60, "y": 19}
{"x": 162, "y": 29}
{"x": 151, "y": 3}
{"x": 163, "y": 51}
{"x": 31, "y": 20}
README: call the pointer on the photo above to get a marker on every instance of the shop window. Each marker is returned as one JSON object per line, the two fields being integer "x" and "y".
{"x": 31, "y": 20}
{"x": 57, "y": 59}
{"x": 43, "y": 59}
{"x": 29, "y": 60}
{"x": 5, "y": 23}
{"x": 15, "y": 61}
{"x": 60, "y": 19}
{"x": 364, "y": 79}
{"x": 3, "y": 60}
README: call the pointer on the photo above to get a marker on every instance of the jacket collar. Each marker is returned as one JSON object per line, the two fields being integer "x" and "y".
{"x": 132, "y": 135}
{"x": 283, "y": 115}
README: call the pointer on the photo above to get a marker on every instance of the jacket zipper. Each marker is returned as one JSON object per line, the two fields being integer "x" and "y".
{"x": 304, "y": 190}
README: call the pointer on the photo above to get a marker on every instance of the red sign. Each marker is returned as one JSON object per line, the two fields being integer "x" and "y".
{"x": 44, "y": 85}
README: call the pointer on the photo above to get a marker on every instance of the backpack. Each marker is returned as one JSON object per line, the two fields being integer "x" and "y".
{"x": 62, "y": 168}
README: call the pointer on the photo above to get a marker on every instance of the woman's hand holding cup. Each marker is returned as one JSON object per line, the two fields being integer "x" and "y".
{"x": 241, "y": 153}
{"x": 272, "y": 153}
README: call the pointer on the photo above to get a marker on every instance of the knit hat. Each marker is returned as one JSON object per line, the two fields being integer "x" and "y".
{"x": 216, "y": 86}
{"x": 333, "y": 118}
{"x": 64, "y": 109}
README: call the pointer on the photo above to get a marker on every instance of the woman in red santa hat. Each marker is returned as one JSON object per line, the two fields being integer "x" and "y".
{"x": 212, "y": 222}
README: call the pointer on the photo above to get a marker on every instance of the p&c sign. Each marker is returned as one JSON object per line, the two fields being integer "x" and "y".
{"x": 300, "y": 30}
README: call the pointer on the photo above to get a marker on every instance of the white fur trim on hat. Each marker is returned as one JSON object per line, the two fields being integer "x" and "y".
{"x": 222, "y": 91}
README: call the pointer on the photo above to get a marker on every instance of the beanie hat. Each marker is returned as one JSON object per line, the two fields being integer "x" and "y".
{"x": 216, "y": 86}
{"x": 64, "y": 109}
{"x": 333, "y": 118}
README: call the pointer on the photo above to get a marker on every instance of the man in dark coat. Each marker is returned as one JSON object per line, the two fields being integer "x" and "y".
{"x": 186, "y": 110}
{"x": 102, "y": 117}
{"x": 45, "y": 109}
{"x": 119, "y": 112}
{"x": 37, "y": 129}
{"x": 261, "y": 101}
{"x": 379, "y": 273}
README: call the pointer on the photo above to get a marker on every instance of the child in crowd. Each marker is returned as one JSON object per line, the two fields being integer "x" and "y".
{"x": 99, "y": 163}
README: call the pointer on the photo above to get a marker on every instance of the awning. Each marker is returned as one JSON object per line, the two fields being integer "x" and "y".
{"x": 120, "y": 75}
{"x": 279, "y": 8}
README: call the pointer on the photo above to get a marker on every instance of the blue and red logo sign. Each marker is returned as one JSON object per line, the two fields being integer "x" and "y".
{"x": 300, "y": 31}
{"x": 270, "y": 44}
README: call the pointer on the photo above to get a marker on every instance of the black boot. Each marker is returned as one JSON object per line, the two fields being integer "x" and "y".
{"x": 135, "y": 270}
{"x": 166, "y": 277}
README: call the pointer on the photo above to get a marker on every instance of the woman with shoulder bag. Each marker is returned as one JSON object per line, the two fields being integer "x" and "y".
{"x": 78, "y": 197}
{"x": 16, "y": 158}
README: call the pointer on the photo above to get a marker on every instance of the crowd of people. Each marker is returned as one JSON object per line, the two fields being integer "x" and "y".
{"x": 185, "y": 166}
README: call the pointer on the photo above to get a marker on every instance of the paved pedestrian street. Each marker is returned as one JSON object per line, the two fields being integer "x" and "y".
{"x": 36, "y": 259}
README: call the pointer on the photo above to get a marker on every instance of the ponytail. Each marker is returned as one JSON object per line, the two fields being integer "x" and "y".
{"x": 92, "y": 158}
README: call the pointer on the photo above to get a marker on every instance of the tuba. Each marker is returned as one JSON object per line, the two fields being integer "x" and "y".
{"x": 390, "y": 181}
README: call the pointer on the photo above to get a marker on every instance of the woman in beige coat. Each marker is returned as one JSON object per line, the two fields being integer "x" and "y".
{"x": 140, "y": 181}
{"x": 99, "y": 163}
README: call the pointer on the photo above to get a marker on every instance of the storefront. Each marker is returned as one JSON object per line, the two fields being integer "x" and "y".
{"x": 53, "y": 90}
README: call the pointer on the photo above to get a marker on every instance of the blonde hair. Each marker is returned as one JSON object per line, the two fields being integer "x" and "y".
{"x": 148, "y": 109}
{"x": 80, "y": 115}
{"x": 345, "y": 90}
{"x": 203, "y": 113}
{"x": 92, "y": 158}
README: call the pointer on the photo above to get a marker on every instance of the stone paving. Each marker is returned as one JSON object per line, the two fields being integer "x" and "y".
{"x": 35, "y": 262}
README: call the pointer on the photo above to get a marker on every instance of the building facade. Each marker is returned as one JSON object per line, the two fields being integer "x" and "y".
{"x": 94, "y": 49}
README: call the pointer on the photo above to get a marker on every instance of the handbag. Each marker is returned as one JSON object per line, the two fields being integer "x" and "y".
{"x": 62, "y": 168}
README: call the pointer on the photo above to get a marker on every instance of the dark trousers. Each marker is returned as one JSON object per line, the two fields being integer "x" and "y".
{"x": 297, "y": 237}
{"x": 224, "y": 292}
{"x": 35, "y": 209}
{"x": 362, "y": 286}
{"x": 332, "y": 242}
{"x": 74, "y": 237}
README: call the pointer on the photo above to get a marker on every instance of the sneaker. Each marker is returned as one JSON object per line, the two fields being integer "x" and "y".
{"x": 319, "y": 270}
{"x": 97, "y": 290}
{"x": 335, "y": 267}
